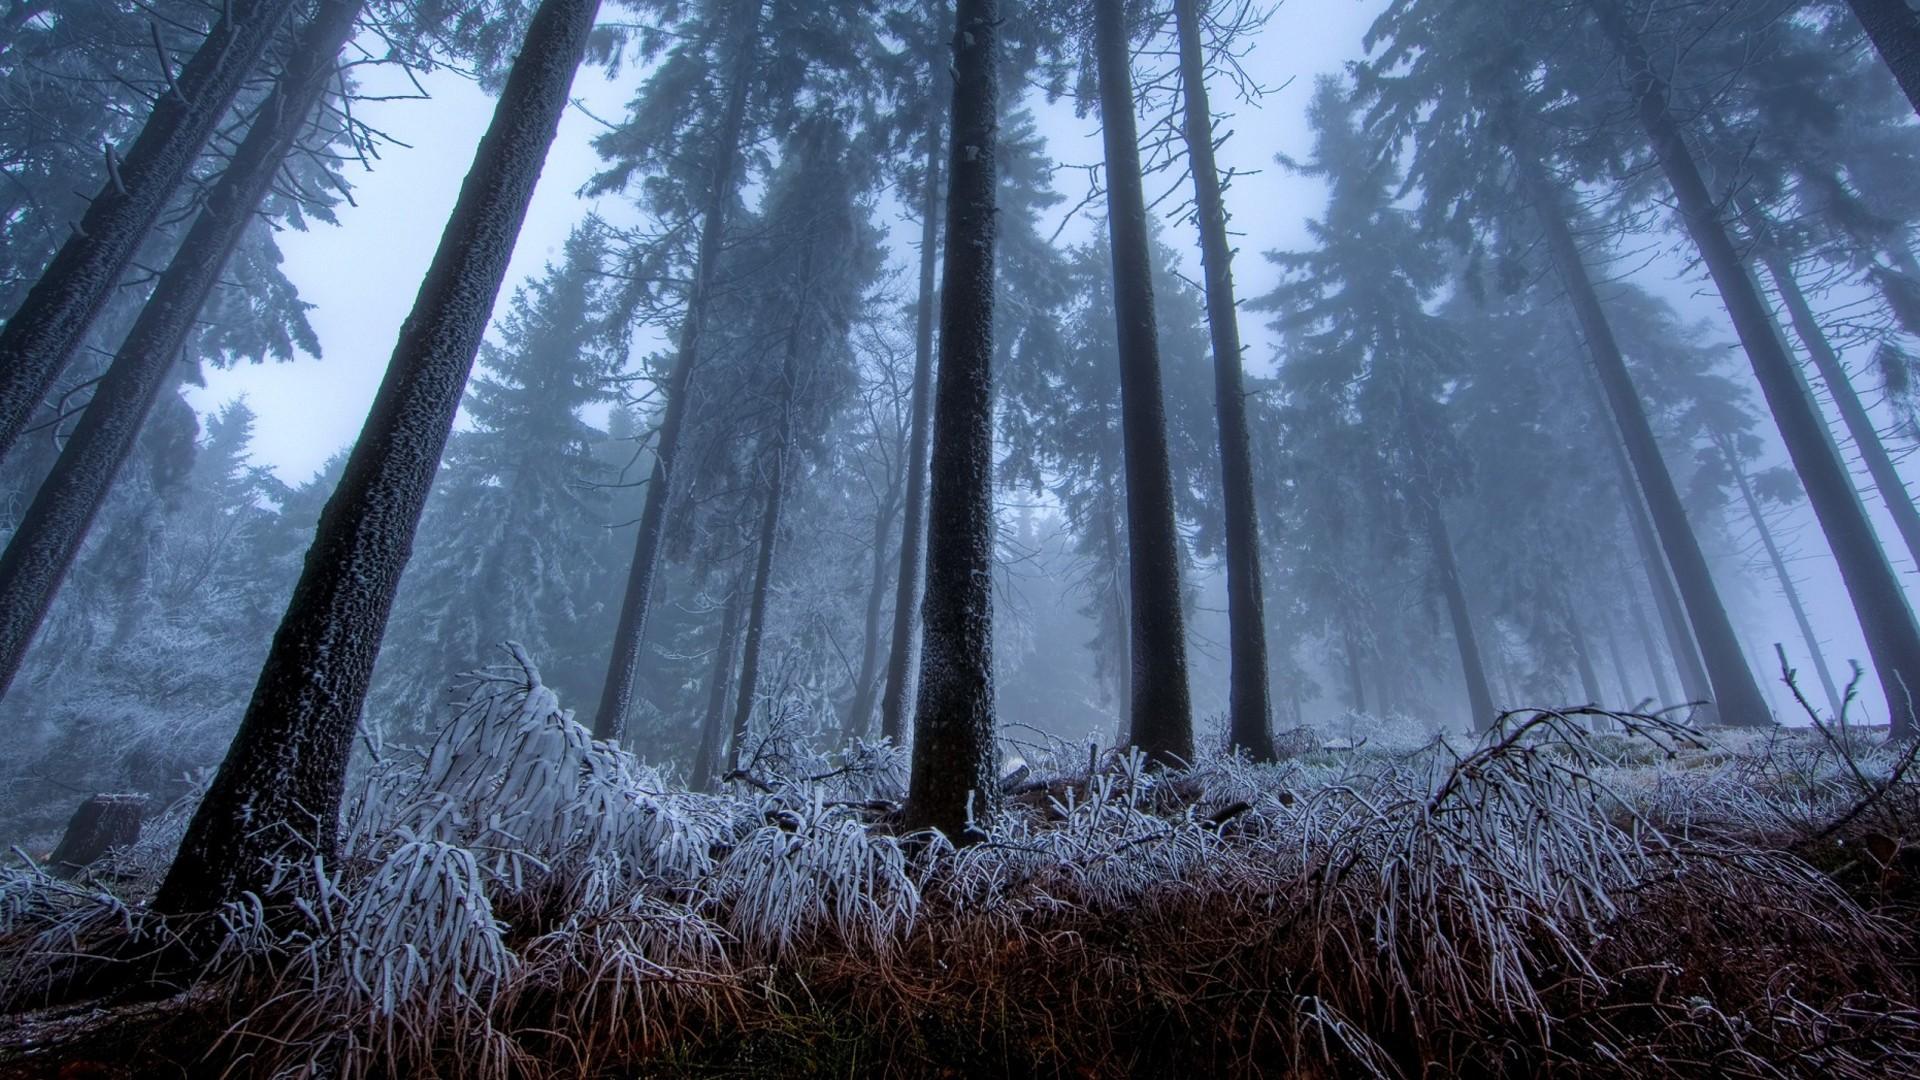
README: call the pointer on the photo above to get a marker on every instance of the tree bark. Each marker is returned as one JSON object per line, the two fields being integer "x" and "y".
{"x": 1779, "y": 564}
{"x": 719, "y": 684}
{"x": 1472, "y": 671}
{"x": 1860, "y": 427}
{"x": 896, "y": 700}
{"x": 1249, "y": 705}
{"x": 1735, "y": 696}
{"x": 1893, "y": 639}
{"x": 42, "y": 549}
{"x": 53, "y": 320}
{"x": 952, "y": 775}
{"x": 1162, "y": 717}
{"x": 1894, "y": 29}
{"x": 279, "y": 788}
{"x": 616, "y": 695}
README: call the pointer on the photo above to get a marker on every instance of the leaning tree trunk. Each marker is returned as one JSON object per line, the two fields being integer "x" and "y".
{"x": 1893, "y": 639}
{"x": 623, "y": 663}
{"x": 1162, "y": 717}
{"x": 1249, "y": 710}
{"x": 1656, "y": 663}
{"x": 48, "y": 327}
{"x": 1894, "y": 29}
{"x": 1787, "y": 587}
{"x": 894, "y": 701}
{"x": 1866, "y": 438}
{"x": 42, "y": 549}
{"x": 952, "y": 775}
{"x": 713, "y": 730}
{"x": 1681, "y": 649}
{"x": 1736, "y": 697}
{"x": 279, "y": 788}
{"x": 1472, "y": 671}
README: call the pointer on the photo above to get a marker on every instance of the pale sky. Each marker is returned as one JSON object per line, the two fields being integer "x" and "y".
{"x": 363, "y": 275}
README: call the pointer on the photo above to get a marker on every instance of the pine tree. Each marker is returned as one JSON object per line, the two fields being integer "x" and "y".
{"x": 280, "y": 786}
{"x": 952, "y": 774}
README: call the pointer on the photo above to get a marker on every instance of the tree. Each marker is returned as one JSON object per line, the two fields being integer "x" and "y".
{"x": 1893, "y": 638}
{"x": 281, "y": 783}
{"x": 48, "y": 326}
{"x": 43, "y": 546}
{"x": 1250, "y": 712}
{"x": 1161, "y": 724}
{"x": 1894, "y": 28}
{"x": 952, "y": 773}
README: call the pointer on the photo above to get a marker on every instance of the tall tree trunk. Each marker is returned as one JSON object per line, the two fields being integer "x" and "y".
{"x": 1162, "y": 717}
{"x": 1621, "y": 676}
{"x": 952, "y": 775}
{"x": 895, "y": 701}
{"x": 860, "y": 713}
{"x": 1735, "y": 696}
{"x": 1472, "y": 671}
{"x": 1249, "y": 708}
{"x": 1117, "y": 597}
{"x": 1682, "y": 650}
{"x": 1582, "y": 653}
{"x": 623, "y": 662}
{"x": 1787, "y": 587}
{"x": 1356, "y": 688}
{"x": 1893, "y": 639}
{"x": 1860, "y": 427}
{"x": 1656, "y": 663}
{"x": 280, "y": 785}
{"x": 1894, "y": 29}
{"x": 42, "y": 549}
{"x": 713, "y": 729}
{"x": 50, "y": 324}
{"x": 757, "y": 599}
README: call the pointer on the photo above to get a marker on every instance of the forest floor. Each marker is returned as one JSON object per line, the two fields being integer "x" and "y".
{"x": 1650, "y": 901}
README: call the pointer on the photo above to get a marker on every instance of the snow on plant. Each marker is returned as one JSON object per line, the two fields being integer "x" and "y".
{"x": 814, "y": 867}
{"x": 515, "y": 780}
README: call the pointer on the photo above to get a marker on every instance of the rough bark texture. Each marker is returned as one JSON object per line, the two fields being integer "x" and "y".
{"x": 280, "y": 785}
{"x": 40, "y": 552}
{"x": 719, "y": 684}
{"x": 1472, "y": 671}
{"x": 1162, "y": 717}
{"x": 1893, "y": 639}
{"x": 896, "y": 700}
{"x": 953, "y": 743}
{"x": 1894, "y": 29}
{"x": 1780, "y": 573}
{"x": 616, "y": 697}
{"x": 1736, "y": 697}
{"x": 42, "y": 335}
{"x": 1249, "y": 708}
{"x": 1866, "y": 438}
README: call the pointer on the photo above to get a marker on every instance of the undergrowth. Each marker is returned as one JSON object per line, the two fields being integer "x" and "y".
{"x": 518, "y": 900}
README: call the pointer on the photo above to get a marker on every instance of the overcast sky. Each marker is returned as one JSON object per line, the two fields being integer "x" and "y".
{"x": 362, "y": 277}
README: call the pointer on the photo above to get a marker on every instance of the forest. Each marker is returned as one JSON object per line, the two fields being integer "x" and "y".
{"x": 1069, "y": 538}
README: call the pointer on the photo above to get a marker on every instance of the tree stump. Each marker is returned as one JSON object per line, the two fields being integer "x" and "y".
{"x": 101, "y": 823}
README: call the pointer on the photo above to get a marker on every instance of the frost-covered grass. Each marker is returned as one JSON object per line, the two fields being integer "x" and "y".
{"x": 518, "y": 900}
